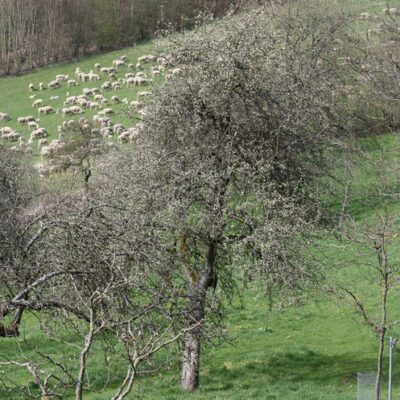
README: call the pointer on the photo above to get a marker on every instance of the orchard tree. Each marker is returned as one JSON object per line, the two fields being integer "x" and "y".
{"x": 222, "y": 178}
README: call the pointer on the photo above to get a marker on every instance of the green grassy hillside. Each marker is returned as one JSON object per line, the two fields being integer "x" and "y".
{"x": 312, "y": 351}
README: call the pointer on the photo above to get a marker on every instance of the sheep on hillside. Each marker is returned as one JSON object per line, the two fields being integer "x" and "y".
{"x": 31, "y": 87}
{"x": 37, "y": 103}
{"x": 54, "y": 85}
{"x": 4, "y": 117}
{"x": 72, "y": 82}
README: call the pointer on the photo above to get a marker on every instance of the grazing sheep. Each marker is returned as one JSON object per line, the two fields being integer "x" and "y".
{"x": 37, "y": 103}
{"x": 82, "y": 102}
{"x": 124, "y": 57}
{"x": 87, "y": 92}
{"x": 394, "y": 12}
{"x": 106, "y": 111}
{"x": 106, "y": 85}
{"x": 115, "y": 100}
{"x": 38, "y": 133}
{"x": 41, "y": 86}
{"x": 118, "y": 128}
{"x": 138, "y": 66}
{"x": 77, "y": 71}
{"x": 47, "y": 151}
{"x": 97, "y": 66}
{"x": 4, "y": 117}
{"x": 62, "y": 77}
{"x": 33, "y": 96}
{"x": 66, "y": 111}
{"x": 136, "y": 104}
{"x": 72, "y": 82}
{"x": 143, "y": 94}
{"x": 54, "y": 97}
{"x": 76, "y": 110}
{"x": 6, "y": 129}
{"x": 94, "y": 104}
{"x": 129, "y": 75}
{"x": 125, "y": 100}
{"x": 54, "y": 85}
{"x": 22, "y": 120}
{"x": 31, "y": 87}
{"x": 116, "y": 85}
{"x": 46, "y": 110}
{"x": 123, "y": 137}
{"x": 93, "y": 77}
{"x": 33, "y": 125}
{"x": 118, "y": 63}
{"x": 131, "y": 66}
{"x": 42, "y": 142}
{"x": 112, "y": 76}
{"x": 104, "y": 102}
{"x": 84, "y": 77}
{"x": 99, "y": 97}
{"x": 70, "y": 100}
{"x": 12, "y": 136}
{"x": 107, "y": 70}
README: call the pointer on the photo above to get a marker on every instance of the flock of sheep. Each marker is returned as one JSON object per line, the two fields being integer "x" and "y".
{"x": 90, "y": 99}
{"x": 392, "y": 12}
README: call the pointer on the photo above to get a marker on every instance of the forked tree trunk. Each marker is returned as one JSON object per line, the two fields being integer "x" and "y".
{"x": 191, "y": 359}
{"x": 13, "y": 329}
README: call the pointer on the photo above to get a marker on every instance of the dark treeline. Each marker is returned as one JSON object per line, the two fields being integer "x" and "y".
{"x": 34, "y": 33}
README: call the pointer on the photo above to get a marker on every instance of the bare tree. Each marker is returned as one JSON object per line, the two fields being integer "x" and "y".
{"x": 221, "y": 176}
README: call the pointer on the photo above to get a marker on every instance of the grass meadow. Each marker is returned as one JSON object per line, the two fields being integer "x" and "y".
{"x": 312, "y": 351}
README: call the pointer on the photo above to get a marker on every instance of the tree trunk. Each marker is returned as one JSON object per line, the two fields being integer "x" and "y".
{"x": 381, "y": 339}
{"x": 380, "y": 357}
{"x": 13, "y": 329}
{"x": 191, "y": 359}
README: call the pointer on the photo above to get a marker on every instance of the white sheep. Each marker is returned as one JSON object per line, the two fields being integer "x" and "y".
{"x": 106, "y": 85}
{"x": 72, "y": 82}
{"x": 6, "y": 129}
{"x": 106, "y": 111}
{"x": 94, "y": 104}
{"x": 4, "y": 117}
{"x": 33, "y": 124}
{"x": 118, "y": 63}
{"x": 123, "y": 137}
{"x": 70, "y": 100}
{"x": 54, "y": 97}
{"x": 124, "y": 57}
{"x": 104, "y": 102}
{"x": 118, "y": 128}
{"x": 93, "y": 77}
{"x": 76, "y": 110}
{"x": 98, "y": 97}
{"x": 66, "y": 111}
{"x": 46, "y": 110}
{"x": 131, "y": 66}
{"x": 393, "y": 12}
{"x": 97, "y": 66}
{"x": 41, "y": 86}
{"x": 37, "y": 103}
{"x": 116, "y": 85}
{"x": 31, "y": 87}
{"x": 54, "y": 85}
{"x": 42, "y": 142}
{"x": 39, "y": 133}
{"x": 62, "y": 77}
{"x": 115, "y": 100}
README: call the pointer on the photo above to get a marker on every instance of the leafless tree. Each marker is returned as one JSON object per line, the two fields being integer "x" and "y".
{"x": 221, "y": 176}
